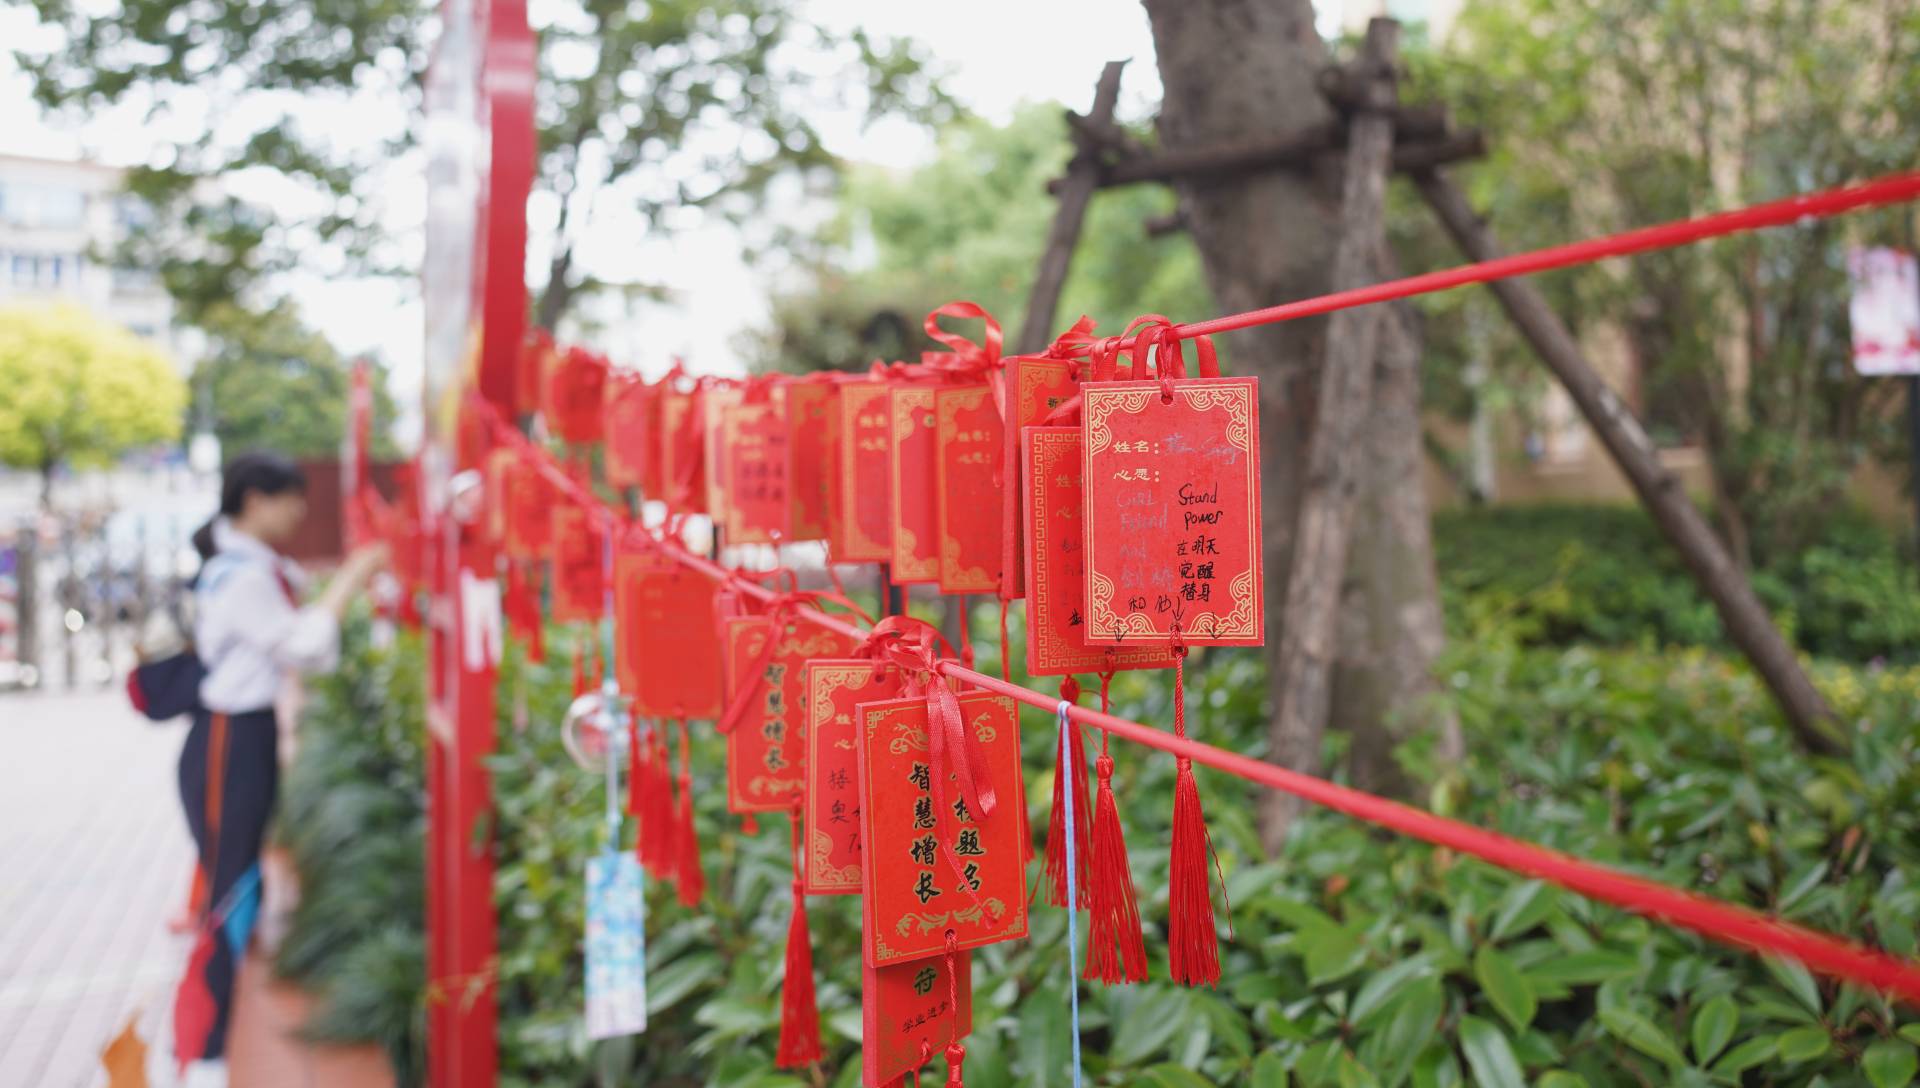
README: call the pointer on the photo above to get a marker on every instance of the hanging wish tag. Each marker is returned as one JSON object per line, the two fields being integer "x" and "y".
{"x": 766, "y": 673}
{"x": 835, "y": 690}
{"x": 669, "y": 653}
{"x": 933, "y": 866}
{"x": 967, "y": 452}
{"x": 683, "y": 477}
{"x": 755, "y": 440}
{"x": 715, "y": 453}
{"x": 577, "y": 595}
{"x": 1172, "y": 505}
{"x": 631, "y": 440}
{"x": 616, "y": 941}
{"x": 1056, "y": 621}
{"x": 526, "y": 509}
{"x": 812, "y": 429}
{"x": 862, "y": 491}
{"x": 1036, "y": 385}
{"x": 910, "y": 1011}
{"x": 912, "y": 486}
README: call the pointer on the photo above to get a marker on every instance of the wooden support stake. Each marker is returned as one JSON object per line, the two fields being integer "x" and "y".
{"x": 1685, "y": 527}
{"x": 1309, "y": 624}
{"x": 1076, "y": 192}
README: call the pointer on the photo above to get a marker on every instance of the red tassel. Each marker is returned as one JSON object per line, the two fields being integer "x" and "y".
{"x": 956, "y": 1058}
{"x": 692, "y": 878}
{"x": 579, "y": 672}
{"x": 1116, "y": 950}
{"x": 636, "y": 789}
{"x": 1006, "y": 654}
{"x": 1070, "y": 759}
{"x": 1193, "y": 946}
{"x": 799, "y": 1012}
{"x": 659, "y": 818}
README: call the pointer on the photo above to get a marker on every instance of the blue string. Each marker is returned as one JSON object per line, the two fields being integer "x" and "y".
{"x": 1073, "y": 911}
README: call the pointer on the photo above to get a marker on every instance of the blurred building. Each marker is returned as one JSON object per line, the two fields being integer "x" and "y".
{"x": 60, "y": 224}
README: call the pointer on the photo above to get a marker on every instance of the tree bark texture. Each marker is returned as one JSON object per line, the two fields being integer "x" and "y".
{"x": 1244, "y": 68}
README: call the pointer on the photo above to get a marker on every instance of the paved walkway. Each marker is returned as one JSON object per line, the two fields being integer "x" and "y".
{"x": 94, "y": 857}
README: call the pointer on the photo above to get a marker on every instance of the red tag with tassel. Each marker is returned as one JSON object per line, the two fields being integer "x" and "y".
{"x": 799, "y": 1012}
{"x": 862, "y": 514}
{"x": 754, "y": 436}
{"x": 909, "y": 1011}
{"x": 577, "y": 558}
{"x": 765, "y": 722}
{"x": 913, "y": 488}
{"x": 629, "y": 420}
{"x": 967, "y": 486}
{"x": 683, "y": 475}
{"x": 812, "y": 434}
{"x": 831, "y": 829}
{"x": 691, "y": 879}
{"x": 667, "y": 652}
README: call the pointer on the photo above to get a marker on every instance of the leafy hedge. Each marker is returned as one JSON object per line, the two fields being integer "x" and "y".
{"x": 353, "y": 816}
{"x": 1357, "y": 958}
{"x": 1564, "y": 575}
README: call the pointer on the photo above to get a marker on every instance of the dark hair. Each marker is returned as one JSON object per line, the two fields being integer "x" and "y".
{"x": 261, "y": 473}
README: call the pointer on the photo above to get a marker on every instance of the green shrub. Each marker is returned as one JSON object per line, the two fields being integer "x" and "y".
{"x": 1565, "y": 575}
{"x": 353, "y": 817}
{"x": 1357, "y": 957}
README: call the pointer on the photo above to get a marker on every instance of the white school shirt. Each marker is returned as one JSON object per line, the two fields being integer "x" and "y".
{"x": 247, "y": 629}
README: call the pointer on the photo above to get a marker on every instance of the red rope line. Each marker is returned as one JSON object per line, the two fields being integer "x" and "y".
{"x": 1892, "y": 189}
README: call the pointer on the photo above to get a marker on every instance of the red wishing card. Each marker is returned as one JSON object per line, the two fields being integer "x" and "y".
{"x": 967, "y": 486}
{"x": 755, "y": 439}
{"x": 577, "y": 562}
{"x": 767, "y": 749}
{"x": 912, "y": 896}
{"x": 863, "y": 489}
{"x": 1036, "y": 385}
{"x": 683, "y": 478}
{"x": 835, "y": 690}
{"x": 652, "y": 424}
{"x": 1056, "y": 621}
{"x": 811, "y": 423}
{"x": 714, "y": 451}
{"x": 631, "y": 440}
{"x": 916, "y": 513}
{"x": 1172, "y": 502}
{"x": 669, "y": 652}
{"x": 526, "y": 512}
{"x": 909, "y": 1008}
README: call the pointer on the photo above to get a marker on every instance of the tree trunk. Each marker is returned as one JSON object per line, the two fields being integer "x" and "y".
{"x": 1243, "y": 68}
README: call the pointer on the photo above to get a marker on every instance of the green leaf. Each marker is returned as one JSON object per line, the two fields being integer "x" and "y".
{"x": 1043, "y": 1044}
{"x": 1560, "y": 1078}
{"x": 1796, "y": 980}
{"x": 1332, "y": 953}
{"x": 1505, "y": 986}
{"x": 1890, "y": 1063}
{"x": 1381, "y": 986}
{"x": 1801, "y": 1044}
{"x": 678, "y": 979}
{"x": 1146, "y": 1026}
{"x": 1524, "y": 906}
{"x": 1911, "y": 1033}
{"x": 1489, "y": 1054}
{"x": 1173, "y": 1075}
{"x": 1641, "y": 1034}
{"x": 1268, "y": 1072}
{"x": 1585, "y": 968}
{"x": 1746, "y": 1056}
{"x": 1712, "y": 1028}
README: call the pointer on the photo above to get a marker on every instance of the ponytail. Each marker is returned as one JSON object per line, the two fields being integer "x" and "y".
{"x": 258, "y": 472}
{"x": 203, "y": 540}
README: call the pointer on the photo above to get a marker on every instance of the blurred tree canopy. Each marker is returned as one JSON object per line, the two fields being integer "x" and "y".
{"x": 970, "y": 224}
{"x": 665, "y": 108}
{"x": 1616, "y": 114}
{"x": 269, "y": 381}
{"x": 79, "y": 390}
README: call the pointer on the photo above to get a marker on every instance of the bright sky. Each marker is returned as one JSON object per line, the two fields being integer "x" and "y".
{"x": 714, "y": 296}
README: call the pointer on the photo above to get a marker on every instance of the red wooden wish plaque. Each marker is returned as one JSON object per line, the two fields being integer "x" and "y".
{"x": 811, "y": 425}
{"x": 932, "y": 866}
{"x": 1056, "y": 619}
{"x": 835, "y": 690}
{"x": 910, "y": 1008}
{"x": 967, "y": 486}
{"x": 526, "y": 506}
{"x": 863, "y": 504}
{"x": 767, "y": 746}
{"x": 1172, "y": 503}
{"x": 683, "y": 479}
{"x": 577, "y": 562}
{"x": 911, "y": 487}
{"x": 668, "y": 652}
{"x": 715, "y": 403}
{"x": 631, "y": 441}
{"x": 1036, "y": 385}
{"x": 754, "y": 435}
